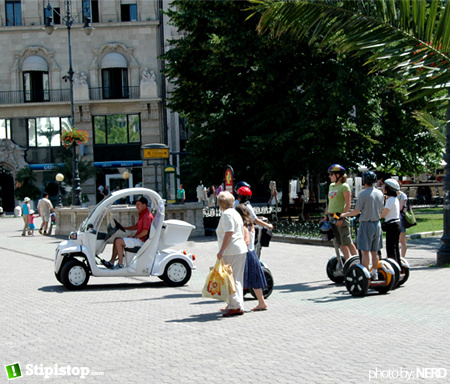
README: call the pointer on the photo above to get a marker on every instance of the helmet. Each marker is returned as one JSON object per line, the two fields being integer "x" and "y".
{"x": 324, "y": 227}
{"x": 392, "y": 184}
{"x": 336, "y": 168}
{"x": 241, "y": 184}
{"x": 244, "y": 191}
{"x": 369, "y": 177}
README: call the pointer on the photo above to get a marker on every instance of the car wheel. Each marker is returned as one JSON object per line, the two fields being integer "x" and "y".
{"x": 58, "y": 277}
{"x": 177, "y": 273}
{"x": 74, "y": 275}
{"x": 356, "y": 281}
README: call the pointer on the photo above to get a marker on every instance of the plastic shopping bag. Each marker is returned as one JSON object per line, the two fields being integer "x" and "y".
{"x": 231, "y": 283}
{"x": 216, "y": 285}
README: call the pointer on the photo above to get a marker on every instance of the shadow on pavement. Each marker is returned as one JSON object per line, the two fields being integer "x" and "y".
{"x": 303, "y": 287}
{"x": 107, "y": 287}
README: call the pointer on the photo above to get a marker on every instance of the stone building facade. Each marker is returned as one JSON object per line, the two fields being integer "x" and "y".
{"x": 117, "y": 90}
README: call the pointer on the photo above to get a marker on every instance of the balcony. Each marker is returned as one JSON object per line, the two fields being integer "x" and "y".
{"x": 63, "y": 95}
{"x": 20, "y": 97}
{"x": 105, "y": 93}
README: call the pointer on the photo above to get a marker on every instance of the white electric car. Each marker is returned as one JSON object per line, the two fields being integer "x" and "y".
{"x": 79, "y": 257}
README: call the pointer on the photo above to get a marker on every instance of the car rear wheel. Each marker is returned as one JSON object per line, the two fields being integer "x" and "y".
{"x": 177, "y": 273}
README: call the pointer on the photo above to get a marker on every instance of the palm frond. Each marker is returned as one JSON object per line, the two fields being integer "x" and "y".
{"x": 410, "y": 37}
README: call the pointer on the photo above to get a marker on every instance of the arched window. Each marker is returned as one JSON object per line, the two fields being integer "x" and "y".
{"x": 115, "y": 76}
{"x": 35, "y": 79}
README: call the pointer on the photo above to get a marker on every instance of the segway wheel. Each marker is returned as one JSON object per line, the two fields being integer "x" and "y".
{"x": 356, "y": 280}
{"x": 404, "y": 275}
{"x": 397, "y": 271}
{"x": 331, "y": 270}
{"x": 352, "y": 260}
{"x": 384, "y": 274}
{"x": 268, "y": 289}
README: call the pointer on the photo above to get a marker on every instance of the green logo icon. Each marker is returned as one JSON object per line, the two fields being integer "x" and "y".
{"x": 13, "y": 371}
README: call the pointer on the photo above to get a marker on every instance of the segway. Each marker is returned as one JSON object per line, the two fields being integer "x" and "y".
{"x": 337, "y": 266}
{"x": 262, "y": 239}
{"x": 358, "y": 282}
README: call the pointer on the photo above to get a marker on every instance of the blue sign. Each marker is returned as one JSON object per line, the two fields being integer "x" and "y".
{"x": 118, "y": 164}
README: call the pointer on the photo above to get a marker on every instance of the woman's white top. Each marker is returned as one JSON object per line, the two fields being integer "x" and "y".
{"x": 394, "y": 209}
{"x": 231, "y": 221}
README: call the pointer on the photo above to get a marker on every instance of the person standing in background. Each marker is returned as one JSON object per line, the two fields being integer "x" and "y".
{"x": 25, "y": 212}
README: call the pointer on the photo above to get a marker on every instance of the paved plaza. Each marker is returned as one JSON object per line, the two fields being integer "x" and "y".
{"x": 137, "y": 330}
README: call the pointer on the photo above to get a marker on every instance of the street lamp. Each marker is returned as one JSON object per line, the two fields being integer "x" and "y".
{"x": 59, "y": 178}
{"x": 87, "y": 28}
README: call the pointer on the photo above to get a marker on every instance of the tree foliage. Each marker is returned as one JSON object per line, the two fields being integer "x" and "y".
{"x": 277, "y": 109}
{"x": 25, "y": 187}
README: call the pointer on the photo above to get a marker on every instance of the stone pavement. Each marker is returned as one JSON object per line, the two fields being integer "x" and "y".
{"x": 137, "y": 330}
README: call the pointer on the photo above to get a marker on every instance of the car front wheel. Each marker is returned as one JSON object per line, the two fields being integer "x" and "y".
{"x": 74, "y": 275}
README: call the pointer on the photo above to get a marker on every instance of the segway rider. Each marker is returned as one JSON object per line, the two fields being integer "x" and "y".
{"x": 339, "y": 201}
{"x": 391, "y": 215}
{"x": 370, "y": 237}
{"x": 244, "y": 194}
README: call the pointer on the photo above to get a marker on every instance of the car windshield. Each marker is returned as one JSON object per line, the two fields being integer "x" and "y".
{"x": 85, "y": 222}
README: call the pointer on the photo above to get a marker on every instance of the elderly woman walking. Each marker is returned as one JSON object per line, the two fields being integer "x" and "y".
{"x": 233, "y": 250}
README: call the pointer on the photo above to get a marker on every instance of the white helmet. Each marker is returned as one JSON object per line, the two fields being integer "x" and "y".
{"x": 392, "y": 184}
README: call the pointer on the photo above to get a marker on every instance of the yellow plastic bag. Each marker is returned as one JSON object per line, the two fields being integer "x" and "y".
{"x": 231, "y": 283}
{"x": 216, "y": 285}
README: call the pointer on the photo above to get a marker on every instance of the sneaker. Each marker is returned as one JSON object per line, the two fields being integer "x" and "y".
{"x": 118, "y": 266}
{"x": 107, "y": 264}
{"x": 374, "y": 275}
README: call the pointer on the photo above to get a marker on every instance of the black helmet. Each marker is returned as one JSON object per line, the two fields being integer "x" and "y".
{"x": 369, "y": 178}
{"x": 241, "y": 184}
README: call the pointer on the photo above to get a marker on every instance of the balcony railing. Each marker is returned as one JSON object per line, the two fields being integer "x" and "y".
{"x": 58, "y": 95}
{"x": 105, "y": 93}
{"x": 19, "y": 97}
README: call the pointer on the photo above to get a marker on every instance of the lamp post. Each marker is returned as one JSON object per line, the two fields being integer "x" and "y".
{"x": 59, "y": 178}
{"x": 87, "y": 28}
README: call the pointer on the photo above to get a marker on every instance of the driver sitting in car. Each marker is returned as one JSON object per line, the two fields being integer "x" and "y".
{"x": 143, "y": 230}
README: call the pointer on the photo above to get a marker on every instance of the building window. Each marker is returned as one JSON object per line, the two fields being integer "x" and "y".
{"x": 117, "y": 129}
{"x": 13, "y": 12}
{"x": 115, "y": 83}
{"x": 35, "y": 86}
{"x": 55, "y": 13}
{"x": 46, "y": 131}
{"x": 5, "y": 129}
{"x": 128, "y": 12}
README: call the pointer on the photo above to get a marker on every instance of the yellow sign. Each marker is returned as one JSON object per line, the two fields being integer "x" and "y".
{"x": 155, "y": 153}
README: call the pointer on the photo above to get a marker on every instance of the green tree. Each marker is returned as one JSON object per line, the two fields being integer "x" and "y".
{"x": 25, "y": 187}
{"x": 276, "y": 109}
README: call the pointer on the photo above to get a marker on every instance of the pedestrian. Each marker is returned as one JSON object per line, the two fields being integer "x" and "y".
{"x": 403, "y": 199}
{"x": 339, "y": 201}
{"x": 244, "y": 194}
{"x": 391, "y": 215}
{"x": 105, "y": 191}
{"x": 45, "y": 206}
{"x": 370, "y": 237}
{"x": 253, "y": 274}
{"x": 25, "y": 212}
{"x": 31, "y": 226}
{"x": 181, "y": 194}
{"x": 211, "y": 194}
{"x": 232, "y": 249}
{"x": 273, "y": 194}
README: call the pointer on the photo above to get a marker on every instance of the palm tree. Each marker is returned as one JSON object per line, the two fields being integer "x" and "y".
{"x": 409, "y": 37}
